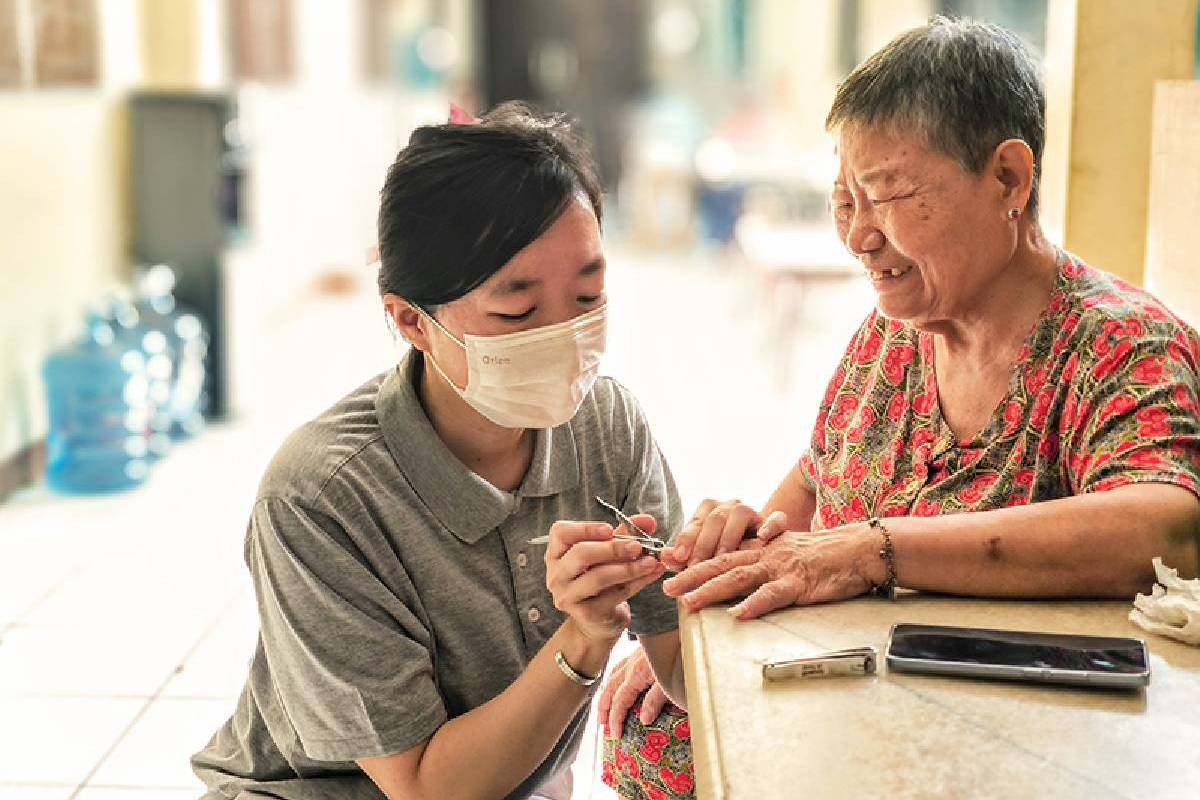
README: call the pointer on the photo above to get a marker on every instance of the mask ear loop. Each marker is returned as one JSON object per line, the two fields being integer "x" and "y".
{"x": 429, "y": 356}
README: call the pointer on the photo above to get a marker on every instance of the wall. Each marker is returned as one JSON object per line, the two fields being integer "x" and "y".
{"x": 62, "y": 212}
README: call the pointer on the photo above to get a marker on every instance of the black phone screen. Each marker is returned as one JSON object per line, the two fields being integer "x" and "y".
{"x": 1019, "y": 649}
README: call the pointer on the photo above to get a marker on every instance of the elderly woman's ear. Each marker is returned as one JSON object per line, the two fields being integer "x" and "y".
{"x": 1012, "y": 165}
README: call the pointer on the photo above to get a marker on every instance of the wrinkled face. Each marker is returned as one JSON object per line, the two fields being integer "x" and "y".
{"x": 931, "y": 235}
{"x": 557, "y": 277}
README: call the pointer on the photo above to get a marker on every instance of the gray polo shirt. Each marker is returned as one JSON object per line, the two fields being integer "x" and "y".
{"x": 396, "y": 588}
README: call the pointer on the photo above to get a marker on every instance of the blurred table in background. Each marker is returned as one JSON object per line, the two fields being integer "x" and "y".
{"x": 904, "y": 735}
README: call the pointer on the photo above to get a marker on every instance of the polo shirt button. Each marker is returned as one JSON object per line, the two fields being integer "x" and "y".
{"x": 522, "y": 560}
{"x": 534, "y": 615}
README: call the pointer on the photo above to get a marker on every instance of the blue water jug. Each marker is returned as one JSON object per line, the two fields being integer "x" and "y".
{"x": 188, "y": 399}
{"x": 185, "y": 342}
{"x": 98, "y": 397}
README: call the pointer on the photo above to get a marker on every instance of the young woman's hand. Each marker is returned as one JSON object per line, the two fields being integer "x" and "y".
{"x": 591, "y": 575}
{"x": 718, "y": 528}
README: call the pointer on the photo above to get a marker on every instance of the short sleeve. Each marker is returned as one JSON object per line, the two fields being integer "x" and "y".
{"x": 350, "y": 661}
{"x": 651, "y": 490}
{"x": 1138, "y": 420}
{"x": 810, "y": 458}
{"x": 808, "y": 470}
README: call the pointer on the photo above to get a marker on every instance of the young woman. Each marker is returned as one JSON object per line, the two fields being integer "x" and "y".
{"x": 414, "y": 642}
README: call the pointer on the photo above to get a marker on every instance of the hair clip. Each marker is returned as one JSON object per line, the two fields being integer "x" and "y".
{"x": 460, "y": 116}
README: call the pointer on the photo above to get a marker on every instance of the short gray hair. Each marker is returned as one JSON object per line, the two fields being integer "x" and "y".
{"x": 962, "y": 86}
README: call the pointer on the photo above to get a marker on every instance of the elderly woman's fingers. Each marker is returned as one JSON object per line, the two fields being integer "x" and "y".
{"x": 623, "y": 693}
{"x": 737, "y": 582}
{"x": 652, "y": 704}
{"x": 775, "y": 524}
{"x": 705, "y": 571}
{"x": 776, "y": 594}
{"x": 615, "y": 678}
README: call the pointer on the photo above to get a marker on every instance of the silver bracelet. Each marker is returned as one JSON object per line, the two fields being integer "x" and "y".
{"x": 571, "y": 672}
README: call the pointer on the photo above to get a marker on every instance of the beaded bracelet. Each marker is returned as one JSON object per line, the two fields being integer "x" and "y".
{"x": 888, "y": 554}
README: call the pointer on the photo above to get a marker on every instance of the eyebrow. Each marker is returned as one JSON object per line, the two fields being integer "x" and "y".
{"x": 518, "y": 285}
{"x": 873, "y": 175}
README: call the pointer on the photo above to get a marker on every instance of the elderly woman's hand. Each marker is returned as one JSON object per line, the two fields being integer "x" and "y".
{"x": 591, "y": 575}
{"x": 718, "y": 528}
{"x": 792, "y": 569}
{"x": 629, "y": 679}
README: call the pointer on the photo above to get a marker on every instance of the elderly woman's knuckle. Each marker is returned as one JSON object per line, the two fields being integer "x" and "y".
{"x": 723, "y": 561}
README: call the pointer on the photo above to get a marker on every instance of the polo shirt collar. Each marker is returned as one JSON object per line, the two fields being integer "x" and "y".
{"x": 464, "y": 502}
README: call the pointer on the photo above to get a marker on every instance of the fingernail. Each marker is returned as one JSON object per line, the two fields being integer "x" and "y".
{"x": 682, "y": 551}
{"x": 736, "y": 611}
{"x": 632, "y": 549}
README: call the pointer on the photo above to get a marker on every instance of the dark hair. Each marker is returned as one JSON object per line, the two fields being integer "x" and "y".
{"x": 962, "y": 86}
{"x": 461, "y": 200}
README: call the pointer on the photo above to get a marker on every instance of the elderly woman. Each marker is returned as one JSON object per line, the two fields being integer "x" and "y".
{"x": 998, "y": 375}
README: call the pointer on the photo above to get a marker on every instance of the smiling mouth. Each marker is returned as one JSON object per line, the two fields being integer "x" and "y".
{"x": 888, "y": 274}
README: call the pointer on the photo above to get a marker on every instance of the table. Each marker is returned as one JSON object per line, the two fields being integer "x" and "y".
{"x": 905, "y": 735}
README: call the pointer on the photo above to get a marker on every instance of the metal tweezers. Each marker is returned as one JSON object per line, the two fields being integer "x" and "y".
{"x": 852, "y": 661}
{"x": 649, "y": 543}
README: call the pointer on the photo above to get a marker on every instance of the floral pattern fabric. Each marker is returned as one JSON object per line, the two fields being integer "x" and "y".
{"x": 1103, "y": 394}
{"x": 651, "y": 762}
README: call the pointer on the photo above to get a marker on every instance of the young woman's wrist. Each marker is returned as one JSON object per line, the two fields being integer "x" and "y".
{"x": 586, "y": 653}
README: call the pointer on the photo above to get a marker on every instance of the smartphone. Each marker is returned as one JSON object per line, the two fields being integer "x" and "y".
{"x": 1099, "y": 661}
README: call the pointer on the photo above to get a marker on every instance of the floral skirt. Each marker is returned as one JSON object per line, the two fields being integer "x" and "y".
{"x": 651, "y": 762}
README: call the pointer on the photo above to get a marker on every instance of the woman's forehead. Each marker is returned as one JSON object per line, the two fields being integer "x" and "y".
{"x": 571, "y": 245}
{"x": 871, "y": 155}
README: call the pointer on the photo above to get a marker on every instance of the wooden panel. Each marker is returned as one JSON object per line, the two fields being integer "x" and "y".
{"x": 10, "y": 54}
{"x": 65, "y": 33}
{"x": 263, "y": 40}
{"x": 1098, "y": 149}
{"x": 1172, "y": 271}
{"x": 377, "y": 52}
{"x": 899, "y": 735}
{"x": 170, "y": 41}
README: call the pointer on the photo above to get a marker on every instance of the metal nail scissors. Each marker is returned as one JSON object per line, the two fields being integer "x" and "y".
{"x": 649, "y": 543}
{"x": 851, "y": 661}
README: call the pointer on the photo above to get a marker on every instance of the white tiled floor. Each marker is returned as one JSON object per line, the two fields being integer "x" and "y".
{"x": 127, "y": 621}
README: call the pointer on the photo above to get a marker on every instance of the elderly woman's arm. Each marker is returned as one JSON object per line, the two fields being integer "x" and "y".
{"x": 1093, "y": 545}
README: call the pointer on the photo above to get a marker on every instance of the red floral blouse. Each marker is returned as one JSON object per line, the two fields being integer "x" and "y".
{"x": 1103, "y": 394}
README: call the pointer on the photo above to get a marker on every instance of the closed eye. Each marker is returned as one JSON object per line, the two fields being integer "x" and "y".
{"x": 893, "y": 197}
{"x": 587, "y": 301}
{"x": 517, "y": 317}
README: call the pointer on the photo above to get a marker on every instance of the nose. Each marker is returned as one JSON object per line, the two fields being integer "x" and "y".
{"x": 863, "y": 236}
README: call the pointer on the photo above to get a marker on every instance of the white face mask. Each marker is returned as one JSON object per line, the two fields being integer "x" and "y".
{"x": 536, "y": 378}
